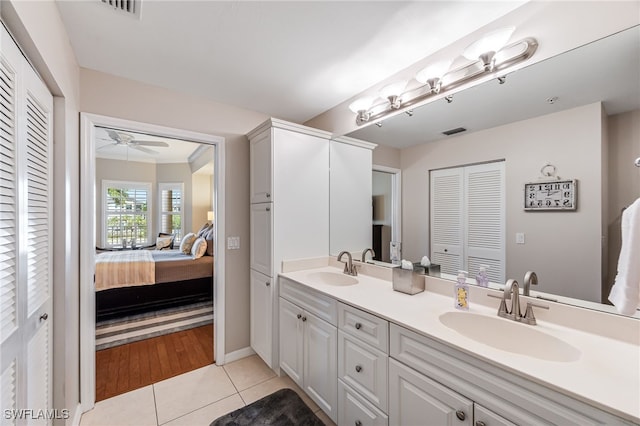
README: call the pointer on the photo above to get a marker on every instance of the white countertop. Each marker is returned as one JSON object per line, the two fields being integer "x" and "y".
{"x": 606, "y": 375}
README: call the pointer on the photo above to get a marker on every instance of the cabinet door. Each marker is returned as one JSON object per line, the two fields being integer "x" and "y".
{"x": 261, "y": 300}
{"x": 414, "y": 399}
{"x": 291, "y": 340}
{"x": 261, "y": 238}
{"x": 320, "y": 363}
{"x": 261, "y": 161}
{"x": 485, "y": 417}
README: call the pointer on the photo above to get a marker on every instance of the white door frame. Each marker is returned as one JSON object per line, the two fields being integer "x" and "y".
{"x": 88, "y": 123}
{"x": 396, "y": 200}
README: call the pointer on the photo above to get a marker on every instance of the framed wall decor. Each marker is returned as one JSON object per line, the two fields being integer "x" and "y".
{"x": 560, "y": 195}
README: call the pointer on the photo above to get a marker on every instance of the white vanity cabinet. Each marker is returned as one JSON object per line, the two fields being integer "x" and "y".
{"x": 363, "y": 359}
{"x": 440, "y": 385}
{"x": 308, "y": 344}
{"x": 289, "y": 216}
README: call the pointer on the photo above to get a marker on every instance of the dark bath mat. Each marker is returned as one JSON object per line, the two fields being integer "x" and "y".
{"x": 281, "y": 408}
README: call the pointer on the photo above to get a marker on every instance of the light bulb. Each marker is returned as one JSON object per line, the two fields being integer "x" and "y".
{"x": 490, "y": 42}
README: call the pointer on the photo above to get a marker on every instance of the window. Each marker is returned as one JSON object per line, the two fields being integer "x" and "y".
{"x": 171, "y": 207}
{"x": 126, "y": 212}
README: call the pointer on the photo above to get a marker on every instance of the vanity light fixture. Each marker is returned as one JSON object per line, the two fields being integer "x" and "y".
{"x": 488, "y": 55}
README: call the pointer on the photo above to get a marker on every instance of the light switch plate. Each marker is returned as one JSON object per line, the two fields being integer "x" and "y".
{"x": 233, "y": 243}
{"x": 519, "y": 237}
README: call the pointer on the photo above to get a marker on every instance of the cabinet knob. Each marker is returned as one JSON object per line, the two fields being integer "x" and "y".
{"x": 268, "y": 209}
{"x": 445, "y": 250}
{"x": 44, "y": 317}
{"x": 358, "y": 368}
{"x": 299, "y": 316}
{"x": 358, "y": 423}
{"x": 304, "y": 319}
{"x": 267, "y": 283}
{"x": 460, "y": 415}
{"x": 480, "y": 423}
{"x": 268, "y": 195}
{"x": 358, "y": 326}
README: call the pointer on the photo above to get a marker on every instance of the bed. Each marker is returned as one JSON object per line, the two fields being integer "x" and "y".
{"x": 129, "y": 282}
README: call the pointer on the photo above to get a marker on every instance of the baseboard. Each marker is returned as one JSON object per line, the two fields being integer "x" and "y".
{"x": 239, "y": 354}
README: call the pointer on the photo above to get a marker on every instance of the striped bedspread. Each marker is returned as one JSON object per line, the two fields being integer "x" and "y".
{"x": 124, "y": 268}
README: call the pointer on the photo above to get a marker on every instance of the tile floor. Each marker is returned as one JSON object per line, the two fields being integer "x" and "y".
{"x": 195, "y": 398}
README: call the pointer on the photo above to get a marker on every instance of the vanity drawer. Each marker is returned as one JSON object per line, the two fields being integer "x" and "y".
{"x": 364, "y": 368}
{"x": 324, "y": 307}
{"x": 366, "y": 327}
{"x": 353, "y": 409}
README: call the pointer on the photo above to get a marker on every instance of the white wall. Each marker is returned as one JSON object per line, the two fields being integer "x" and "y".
{"x": 103, "y": 94}
{"x": 201, "y": 201}
{"x": 564, "y": 248}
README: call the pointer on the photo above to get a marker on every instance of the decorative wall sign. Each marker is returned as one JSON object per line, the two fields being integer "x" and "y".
{"x": 551, "y": 195}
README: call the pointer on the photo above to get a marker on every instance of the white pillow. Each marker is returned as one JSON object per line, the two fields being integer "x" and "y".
{"x": 187, "y": 242}
{"x": 199, "y": 248}
{"x": 163, "y": 242}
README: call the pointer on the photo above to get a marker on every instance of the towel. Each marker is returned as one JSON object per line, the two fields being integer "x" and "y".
{"x": 405, "y": 264}
{"x": 625, "y": 294}
{"x": 425, "y": 261}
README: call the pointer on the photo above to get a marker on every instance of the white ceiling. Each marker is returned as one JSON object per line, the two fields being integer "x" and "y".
{"x": 291, "y": 60}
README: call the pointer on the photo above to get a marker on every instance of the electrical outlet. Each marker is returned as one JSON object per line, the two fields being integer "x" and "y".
{"x": 519, "y": 237}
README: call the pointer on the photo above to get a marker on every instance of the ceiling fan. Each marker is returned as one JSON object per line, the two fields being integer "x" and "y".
{"x": 125, "y": 139}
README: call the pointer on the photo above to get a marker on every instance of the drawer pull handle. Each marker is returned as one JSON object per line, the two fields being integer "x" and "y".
{"x": 358, "y": 368}
{"x": 268, "y": 195}
{"x": 268, "y": 209}
{"x": 304, "y": 319}
{"x": 44, "y": 317}
{"x": 480, "y": 423}
{"x": 358, "y": 326}
{"x": 267, "y": 283}
{"x": 358, "y": 423}
{"x": 460, "y": 415}
{"x": 299, "y": 316}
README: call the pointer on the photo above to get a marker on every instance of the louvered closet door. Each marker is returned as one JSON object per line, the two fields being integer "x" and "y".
{"x": 446, "y": 219}
{"x": 468, "y": 219}
{"x": 25, "y": 236}
{"x": 485, "y": 219}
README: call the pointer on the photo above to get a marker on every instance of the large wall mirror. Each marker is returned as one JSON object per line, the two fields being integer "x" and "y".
{"x": 580, "y": 112}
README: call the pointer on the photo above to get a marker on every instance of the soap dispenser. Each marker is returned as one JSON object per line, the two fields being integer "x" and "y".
{"x": 461, "y": 297}
{"x": 482, "y": 279}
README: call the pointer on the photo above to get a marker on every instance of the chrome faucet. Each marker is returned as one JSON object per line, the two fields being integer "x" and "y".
{"x": 512, "y": 291}
{"x": 529, "y": 278}
{"x": 364, "y": 254}
{"x": 349, "y": 267}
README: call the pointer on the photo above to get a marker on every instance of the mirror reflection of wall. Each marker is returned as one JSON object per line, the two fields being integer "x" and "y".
{"x": 541, "y": 114}
{"x": 382, "y": 183}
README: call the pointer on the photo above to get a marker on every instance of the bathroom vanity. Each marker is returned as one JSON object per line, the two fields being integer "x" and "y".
{"x": 369, "y": 355}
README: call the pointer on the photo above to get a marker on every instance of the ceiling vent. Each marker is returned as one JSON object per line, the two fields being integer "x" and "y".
{"x": 130, "y": 7}
{"x": 454, "y": 131}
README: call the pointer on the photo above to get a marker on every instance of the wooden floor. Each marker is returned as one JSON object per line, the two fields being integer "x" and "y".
{"x": 124, "y": 368}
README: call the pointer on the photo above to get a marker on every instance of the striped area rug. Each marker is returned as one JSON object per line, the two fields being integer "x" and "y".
{"x": 129, "y": 329}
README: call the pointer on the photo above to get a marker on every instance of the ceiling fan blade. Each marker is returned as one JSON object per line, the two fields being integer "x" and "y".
{"x": 149, "y": 143}
{"x": 143, "y": 149}
{"x": 109, "y": 145}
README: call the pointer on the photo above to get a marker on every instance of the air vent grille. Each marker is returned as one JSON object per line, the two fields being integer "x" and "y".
{"x": 131, "y": 7}
{"x": 454, "y": 131}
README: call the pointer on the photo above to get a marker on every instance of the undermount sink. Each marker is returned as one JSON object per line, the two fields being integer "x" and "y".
{"x": 510, "y": 336}
{"x": 332, "y": 278}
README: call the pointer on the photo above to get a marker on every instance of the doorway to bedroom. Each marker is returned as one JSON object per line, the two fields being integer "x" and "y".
{"x": 156, "y": 217}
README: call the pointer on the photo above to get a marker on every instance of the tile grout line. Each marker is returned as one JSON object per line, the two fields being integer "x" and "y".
{"x": 233, "y": 384}
{"x": 155, "y": 403}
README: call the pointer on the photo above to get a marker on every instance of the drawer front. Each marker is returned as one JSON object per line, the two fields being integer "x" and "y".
{"x": 324, "y": 307}
{"x": 364, "y": 368}
{"x": 366, "y": 327}
{"x": 354, "y": 410}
